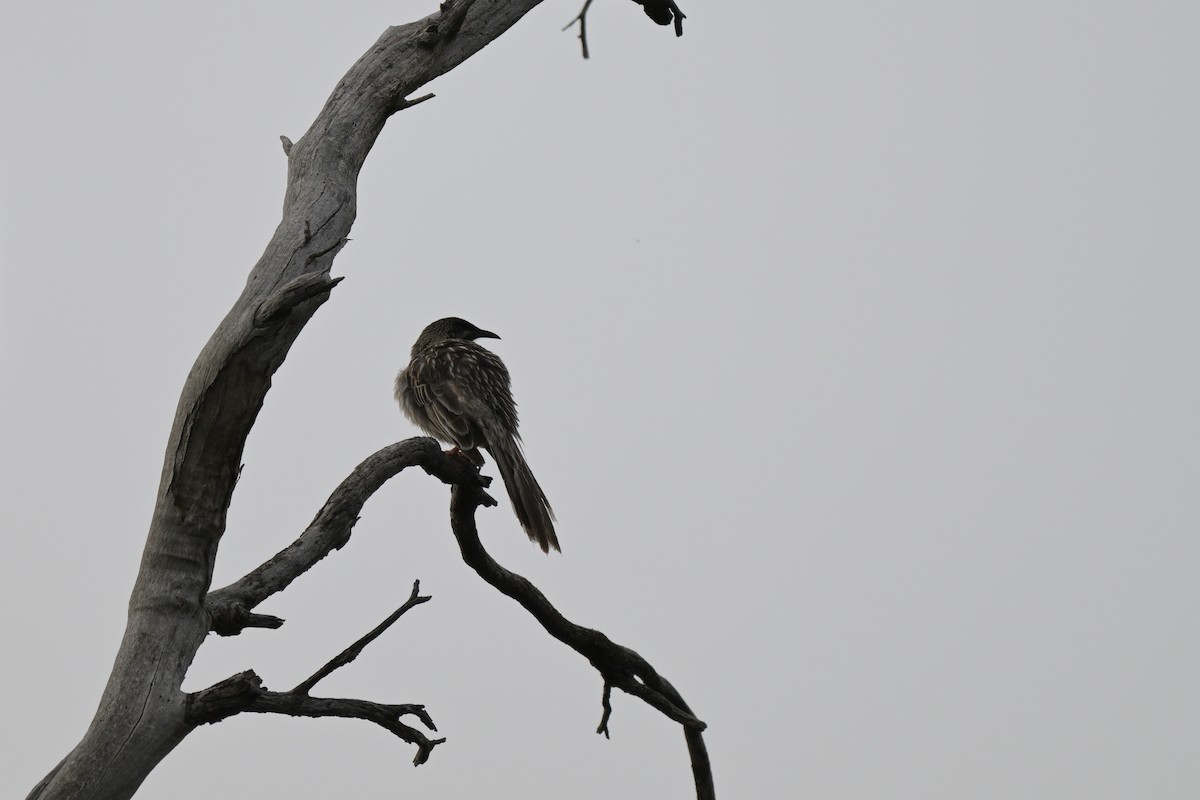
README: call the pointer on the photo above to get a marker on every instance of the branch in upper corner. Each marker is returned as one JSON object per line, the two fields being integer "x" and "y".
{"x": 618, "y": 665}
{"x": 664, "y": 12}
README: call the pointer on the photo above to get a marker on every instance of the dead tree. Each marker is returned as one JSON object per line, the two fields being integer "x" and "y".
{"x": 144, "y": 713}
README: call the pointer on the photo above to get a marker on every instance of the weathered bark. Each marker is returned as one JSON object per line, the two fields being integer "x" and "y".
{"x": 142, "y": 714}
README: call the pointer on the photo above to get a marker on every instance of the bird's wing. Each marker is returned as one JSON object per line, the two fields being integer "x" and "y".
{"x": 443, "y": 402}
{"x": 438, "y": 386}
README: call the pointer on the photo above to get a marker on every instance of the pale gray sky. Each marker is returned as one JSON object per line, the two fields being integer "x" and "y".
{"x": 855, "y": 343}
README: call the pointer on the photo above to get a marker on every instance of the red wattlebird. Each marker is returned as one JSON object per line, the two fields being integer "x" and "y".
{"x": 459, "y": 392}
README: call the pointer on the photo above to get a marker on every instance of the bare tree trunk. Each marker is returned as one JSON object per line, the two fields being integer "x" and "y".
{"x": 143, "y": 713}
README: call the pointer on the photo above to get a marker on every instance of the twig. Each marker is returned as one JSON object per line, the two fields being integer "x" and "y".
{"x": 663, "y": 12}
{"x": 606, "y": 705}
{"x": 404, "y": 102}
{"x": 350, "y": 653}
{"x": 581, "y": 18}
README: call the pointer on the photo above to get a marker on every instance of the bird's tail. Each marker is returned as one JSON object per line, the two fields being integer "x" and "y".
{"x": 528, "y": 500}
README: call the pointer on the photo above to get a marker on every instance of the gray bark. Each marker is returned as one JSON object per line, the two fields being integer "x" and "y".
{"x": 142, "y": 714}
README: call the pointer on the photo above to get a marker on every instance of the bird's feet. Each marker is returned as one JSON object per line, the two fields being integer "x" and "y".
{"x": 472, "y": 457}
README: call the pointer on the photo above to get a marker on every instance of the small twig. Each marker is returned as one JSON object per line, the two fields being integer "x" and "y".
{"x": 350, "y": 653}
{"x": 404, "y": 103}
{"x": 287, "y": 145}
{"x": 606, "y": 705}
{"x": 581, "y": 18}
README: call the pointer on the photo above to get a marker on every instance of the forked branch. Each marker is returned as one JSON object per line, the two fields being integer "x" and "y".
{"x": 244, "y": 692}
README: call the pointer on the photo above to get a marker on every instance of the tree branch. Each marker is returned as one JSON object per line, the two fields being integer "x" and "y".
{"x": 244, "y": 693}
{"x": 229, "y": 608}
{"x": 352, "y": 652}
{"x": 330, "y": 530}
{"x": 619, "y": 666}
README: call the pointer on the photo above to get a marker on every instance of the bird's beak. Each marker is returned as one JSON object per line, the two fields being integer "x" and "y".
{"x": 482, "y": 334}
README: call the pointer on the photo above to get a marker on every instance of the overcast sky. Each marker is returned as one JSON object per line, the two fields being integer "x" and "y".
{"x": 855, "y": 344}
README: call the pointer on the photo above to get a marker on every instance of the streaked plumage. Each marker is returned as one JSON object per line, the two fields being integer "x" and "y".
{"x": 459, "y": 392}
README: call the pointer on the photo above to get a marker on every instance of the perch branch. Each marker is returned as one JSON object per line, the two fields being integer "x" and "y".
{"x": 229, "y": 607}
{"x": 619, "y": 666}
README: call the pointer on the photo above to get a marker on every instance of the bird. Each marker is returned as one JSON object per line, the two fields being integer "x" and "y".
{"x": 460, "y": 392}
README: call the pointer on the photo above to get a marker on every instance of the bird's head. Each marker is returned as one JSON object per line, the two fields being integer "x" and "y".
{"x": 449, "y": 328}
